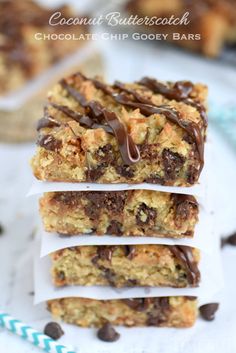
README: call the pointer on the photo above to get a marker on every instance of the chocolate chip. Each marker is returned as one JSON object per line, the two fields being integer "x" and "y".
{"x": 105, "y": 154}
{"x": 208, "y": 311}
{"x": 107, "y": 333}
{"x": 137, "y": 304}
{"x": 113, "y": 201}
{"x": 105, "y": 252}
{"x": 61, "y": 276}
{"x": 231, "y": 240}
{"x": 155, "y": 179}
{"x": 1, "y": 229}
{"x": 46, "y": 122}
{"x": 115, "y": 228}
{"x": 53, "y": 330}
{"x": 148, "y": 151}
{"x": 192, "y": 175}
{"x": 183, "y": 206}
{"x": 172, "y": 162}
{"x": 129, "y": 251}
{"x": 31, "y": 293}
{"x": 145, "y": 215}
{"x": 49, "y": 143}
{"x": 191, "y": 298}
{"x": 162, "y": 302}
{"x": 95, "y": 174}
{"x": 125, "y": 171}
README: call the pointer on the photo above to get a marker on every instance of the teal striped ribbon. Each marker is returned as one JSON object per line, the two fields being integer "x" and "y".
{"x": 224, "y": 117}
{"x": 28, "y": 333}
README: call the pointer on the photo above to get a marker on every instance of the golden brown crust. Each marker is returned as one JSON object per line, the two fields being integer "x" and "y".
{"x": 160, "y": 312}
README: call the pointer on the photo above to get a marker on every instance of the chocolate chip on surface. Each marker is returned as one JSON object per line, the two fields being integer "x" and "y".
{"x": 1, "y": 229}
{"x": 107, "y": 333}
{"x": 231, "y": 240}
{"x": 53, "y": 330}
{"x": 208, "y": 311}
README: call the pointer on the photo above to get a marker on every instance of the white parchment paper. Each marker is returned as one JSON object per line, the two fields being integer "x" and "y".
{"x": 200, "y": 189}
{"x": 211, "y": 283}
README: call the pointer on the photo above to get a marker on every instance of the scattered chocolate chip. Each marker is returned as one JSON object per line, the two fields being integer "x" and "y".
{"x": 208, "y": 311}
{"x": 137, "y": 304}
{"x": 31, "y": 293}
{"x": 129, "y": 251}
{"x": 192, "y": 175}
{"x": 148, "y": 151}
{"x": 231, "y": 240}
{"x": 49, "y": 143}
{"x": 105, "y": 154}
{"x": 1, "y": 229}
{"x": 48, "y": 122}
{"x": 172, "y": 162}
{"x": 190, "y": 297}
{"x": 107, "y": 333}
{"x": 95, "y": 174}
{"x": 114, "y": 228}
{"x": 183, "y": 206}
{"x": 145, "y": 215}
{"x": 53, "y": 330}
{"x": 61, "y": 276}
{"x": 105, "y": 252}
{"x": 155, "y": 179}
{"x": 113, "y": 201}
{"x": 125, "y": 171}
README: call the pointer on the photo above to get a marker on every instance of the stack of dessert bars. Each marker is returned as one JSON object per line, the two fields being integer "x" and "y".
{"x": 136, "y": 136}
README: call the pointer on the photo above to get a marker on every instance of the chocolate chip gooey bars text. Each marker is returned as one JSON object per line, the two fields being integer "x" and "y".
{"x": 142, "y": 132}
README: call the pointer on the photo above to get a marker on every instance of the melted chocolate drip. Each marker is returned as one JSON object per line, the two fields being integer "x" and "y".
{"x": 147, "y": 108}
{"x": 180, "y": 92}
{"x": 96, "y": 114}
{"x": 185, "y": 255}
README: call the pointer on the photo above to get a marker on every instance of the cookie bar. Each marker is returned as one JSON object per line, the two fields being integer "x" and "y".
{"x": 148, "y": 131}
{"x": 120, "y": 213}
{"x": 160, "y": 312}
{"x": 210, "y": 25}
{"x": 24, "y": 52}
{"x": 126, "y": 265}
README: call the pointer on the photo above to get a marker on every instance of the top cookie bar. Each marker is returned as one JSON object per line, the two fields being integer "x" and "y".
{"x": 147, "y": 131}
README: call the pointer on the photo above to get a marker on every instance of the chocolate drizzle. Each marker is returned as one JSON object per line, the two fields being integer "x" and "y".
{"x": 94, "y": 118}
{"x": 185, "y": 256}
{"x": 180, "y": 92}
{"x": 147, "y": 108}
{"x": 97, "y": 116}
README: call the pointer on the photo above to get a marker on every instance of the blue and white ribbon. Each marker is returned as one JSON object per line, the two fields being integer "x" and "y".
{"x": 225, "y": 118}
{"x": 28, "y": 333}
